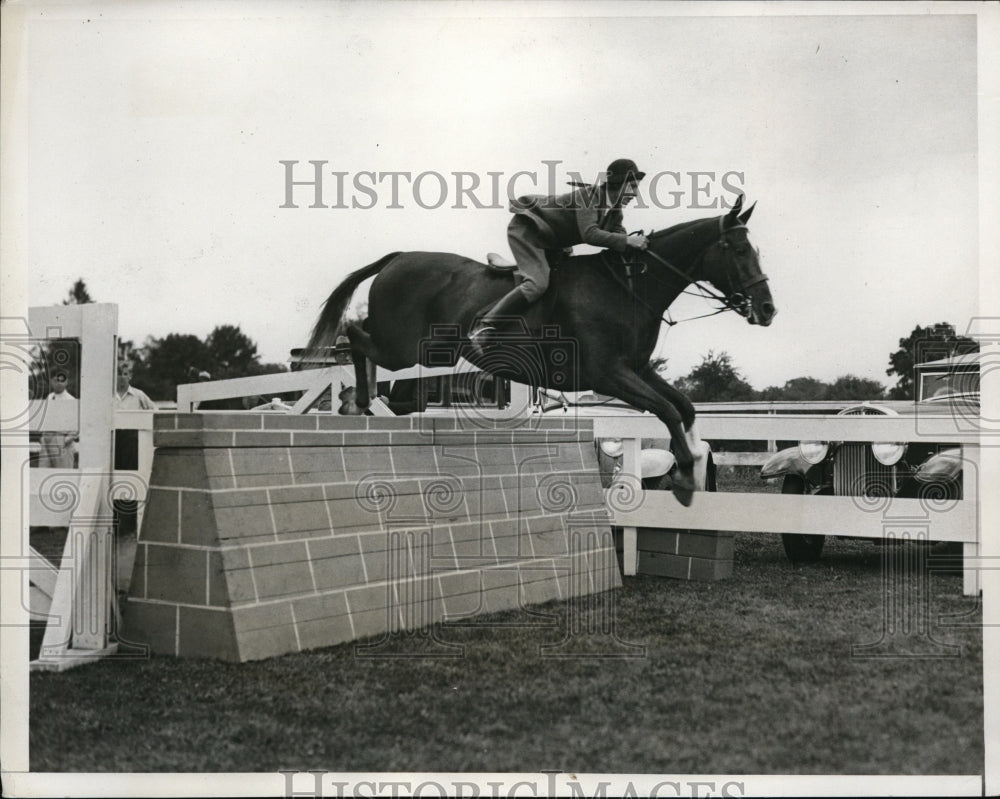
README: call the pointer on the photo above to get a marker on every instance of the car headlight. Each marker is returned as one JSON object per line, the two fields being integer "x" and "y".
{"x": 813, "y": 452}
{"x": 655, "y": 462}
{"x": 888, "y": 453}
{"x": 612, "y": 447}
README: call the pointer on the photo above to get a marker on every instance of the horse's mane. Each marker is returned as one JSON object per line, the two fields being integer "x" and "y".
{"x": 678, "y": 227}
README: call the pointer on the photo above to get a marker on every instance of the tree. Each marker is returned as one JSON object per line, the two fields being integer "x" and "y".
{"x": 175, "y": 358}
{"x": 232, "y": 352}
{"x": 715, "y": 379}
{"x": 798, "y": 389}
{"x": 922, "y": 345}
{"x": 164, "y": 363}
{"x": 851, "y": 387}
{"x": 78, "y": 295}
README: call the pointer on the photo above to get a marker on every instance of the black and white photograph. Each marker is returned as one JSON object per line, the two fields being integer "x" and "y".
{"x": 498, "y": 399}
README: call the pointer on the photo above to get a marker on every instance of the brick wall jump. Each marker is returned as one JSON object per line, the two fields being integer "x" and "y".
{"x": 266, "y": 534}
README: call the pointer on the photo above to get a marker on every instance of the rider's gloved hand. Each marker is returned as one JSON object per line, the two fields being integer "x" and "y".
{"x": 637, "y": 240}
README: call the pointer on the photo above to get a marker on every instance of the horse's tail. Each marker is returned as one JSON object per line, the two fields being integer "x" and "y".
{"x": 324, "y": 333}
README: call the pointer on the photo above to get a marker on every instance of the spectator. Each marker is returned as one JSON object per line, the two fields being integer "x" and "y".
{"x": 58, "y": 448}
{"x": 127, "y": 397}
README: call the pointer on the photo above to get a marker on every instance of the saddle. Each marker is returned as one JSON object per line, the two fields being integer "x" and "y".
{"x": 538, "y": 314}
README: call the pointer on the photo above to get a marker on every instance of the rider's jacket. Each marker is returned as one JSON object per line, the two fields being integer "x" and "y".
{"x": 577, "y": 217}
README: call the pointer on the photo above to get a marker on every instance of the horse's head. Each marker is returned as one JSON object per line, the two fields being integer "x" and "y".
{"x": 730, "y": 264}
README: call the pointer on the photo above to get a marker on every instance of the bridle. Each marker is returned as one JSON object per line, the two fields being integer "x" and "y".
{"x": 736, "y": 299}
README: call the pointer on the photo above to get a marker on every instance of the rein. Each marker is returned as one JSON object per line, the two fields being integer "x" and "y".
{"x": 735, "y": 301}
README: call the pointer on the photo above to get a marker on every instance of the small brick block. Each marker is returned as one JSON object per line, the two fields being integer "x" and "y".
{"x": 538, "y": 584}
{"x": 197, "y": 526}
{"x": 683, "y": 567}
{"x": 462, "y": 594}
{"x": 505, "y": 597}
{"x": 176, "y": 574}
{"x": 322, "y": 620}
{"x": 238, "y": 575}
{"x": 178, "y": 469}
{"x": 281, "y": 570}
{"x": 152, "y": 624}
{"x": 231, "y": 421}
{"x": 305, "y": 421}
{"x": 366, "y": 438}
{"x": 205, "y": 632}
{"x": 337, "y": 562}
{"x": 264, "y": 630}
{"x": 327, "y": 439}
{"x": 262, "y": 438}
{"x": 244, "y": 525}
{"x": 160, "y": 521}
{"x": 371, "y": 608}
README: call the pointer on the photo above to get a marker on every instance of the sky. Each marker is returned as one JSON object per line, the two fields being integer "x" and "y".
{"x": 157, "y": 131}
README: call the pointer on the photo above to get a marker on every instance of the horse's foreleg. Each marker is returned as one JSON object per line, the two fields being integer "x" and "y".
{"x": 699, "y": 449}
{"x": 631, "y": 388}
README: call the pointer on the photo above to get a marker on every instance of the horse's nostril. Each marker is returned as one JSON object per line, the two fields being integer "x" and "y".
{"x": 767, "y": 308}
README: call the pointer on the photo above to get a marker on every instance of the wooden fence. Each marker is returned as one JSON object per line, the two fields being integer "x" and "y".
{"x": 956, "y": 520}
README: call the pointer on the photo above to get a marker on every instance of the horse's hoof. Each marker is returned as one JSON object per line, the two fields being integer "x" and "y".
{"x": 684, "y": 496}
{"x": 684, "y": 488}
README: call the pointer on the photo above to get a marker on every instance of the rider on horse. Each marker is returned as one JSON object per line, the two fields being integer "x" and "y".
{"x": 587, "y": 215}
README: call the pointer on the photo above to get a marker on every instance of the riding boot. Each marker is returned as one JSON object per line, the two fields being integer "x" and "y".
{"x": 513, "y": 303}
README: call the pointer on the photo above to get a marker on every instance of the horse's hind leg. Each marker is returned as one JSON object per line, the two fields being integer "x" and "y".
{"x": 363, "y": 350}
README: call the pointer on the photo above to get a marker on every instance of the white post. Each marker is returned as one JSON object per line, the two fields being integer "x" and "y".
{"x": 631, "y": 475}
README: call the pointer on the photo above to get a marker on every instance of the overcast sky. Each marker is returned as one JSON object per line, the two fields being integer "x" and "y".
{"x": 156, "y": 137}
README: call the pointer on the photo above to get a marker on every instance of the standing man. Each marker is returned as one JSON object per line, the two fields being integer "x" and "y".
{"x": 587, "y": 215}
{"x": 127, "y": 397}
{"x": 58, "y": 448}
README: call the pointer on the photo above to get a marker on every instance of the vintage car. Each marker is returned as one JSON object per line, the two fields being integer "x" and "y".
{"x": 880, "y": 469}
{"x": 657, "y": 462}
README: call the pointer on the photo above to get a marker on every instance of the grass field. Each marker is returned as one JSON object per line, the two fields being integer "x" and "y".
{"x": 754, "y": 674}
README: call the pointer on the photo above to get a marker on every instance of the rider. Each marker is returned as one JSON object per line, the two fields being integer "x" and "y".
{"x": 588, "y": 215}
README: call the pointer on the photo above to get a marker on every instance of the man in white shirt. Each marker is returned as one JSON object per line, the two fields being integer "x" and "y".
{"x": 58, "y": 449}
{"x": 127, "y": 397}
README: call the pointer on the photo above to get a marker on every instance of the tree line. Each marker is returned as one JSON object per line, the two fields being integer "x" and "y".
{"x": 718, "y": 379}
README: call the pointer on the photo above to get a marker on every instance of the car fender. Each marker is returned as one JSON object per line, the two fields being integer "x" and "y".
{"x": 785, "y": 461}
{"x": 944, "y": 466}
{"x": 942, "y": 472}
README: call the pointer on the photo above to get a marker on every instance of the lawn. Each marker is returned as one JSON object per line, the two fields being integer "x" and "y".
{"x": 754, "y": 674}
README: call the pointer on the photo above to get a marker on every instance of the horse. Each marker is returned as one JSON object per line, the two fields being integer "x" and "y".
{"x": 602, "y": 320}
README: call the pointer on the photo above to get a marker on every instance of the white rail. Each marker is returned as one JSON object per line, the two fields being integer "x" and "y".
{"x": 958, "y": 520}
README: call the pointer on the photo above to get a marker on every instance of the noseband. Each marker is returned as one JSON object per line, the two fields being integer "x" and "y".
{"x": 737, "y": 299}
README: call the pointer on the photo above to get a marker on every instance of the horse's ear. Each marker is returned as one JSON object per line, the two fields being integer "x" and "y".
{"x": 746, "y": 214}
{"x": 732, "y": 218}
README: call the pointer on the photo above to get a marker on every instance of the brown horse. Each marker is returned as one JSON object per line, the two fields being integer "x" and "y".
{"x": 601, "y": 320}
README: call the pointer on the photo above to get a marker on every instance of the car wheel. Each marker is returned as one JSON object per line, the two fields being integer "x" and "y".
{"x": 800, "y": 548}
